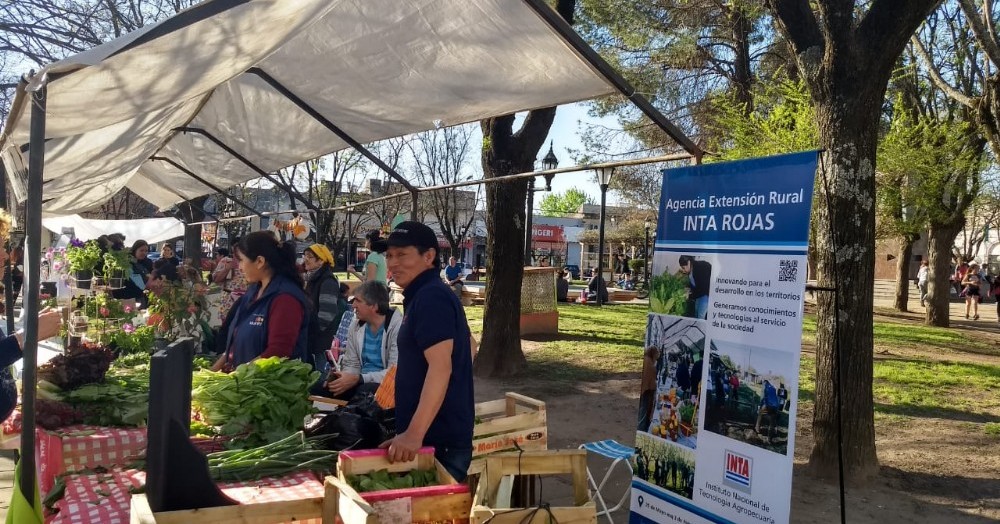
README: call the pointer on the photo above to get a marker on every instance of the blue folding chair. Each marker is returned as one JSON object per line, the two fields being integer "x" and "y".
{"x": 618, "y": 453}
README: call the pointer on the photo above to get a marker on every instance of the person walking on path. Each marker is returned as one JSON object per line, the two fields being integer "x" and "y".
{"x": 922, "y": 282}
{"x": 970, "y": 287}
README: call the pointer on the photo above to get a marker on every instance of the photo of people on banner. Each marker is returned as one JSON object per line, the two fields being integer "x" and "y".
{"x": 748, "y": 394}
{"x": 664, "y": 465}
{"x": 672, "y": 370}
{"x": 683, "y": 288}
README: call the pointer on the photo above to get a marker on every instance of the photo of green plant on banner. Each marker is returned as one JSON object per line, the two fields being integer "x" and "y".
{"x": 668, "y": 294}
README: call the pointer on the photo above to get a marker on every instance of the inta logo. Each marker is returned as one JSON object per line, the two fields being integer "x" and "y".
{"x": 738, "y": 470}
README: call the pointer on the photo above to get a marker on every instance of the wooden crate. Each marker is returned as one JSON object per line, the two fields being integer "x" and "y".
{"x": 492, "y": 500}
{"x": 512, "y": 419}
{"x": 303, "y": 510}
{"x": 449, "y": 501}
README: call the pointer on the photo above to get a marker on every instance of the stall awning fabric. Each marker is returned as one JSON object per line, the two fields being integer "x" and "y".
{"x": 151, "y": 230}
{"x": 375, "y": 68}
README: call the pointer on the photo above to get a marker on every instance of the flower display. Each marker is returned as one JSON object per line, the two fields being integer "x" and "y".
{"x": 178, "y": 310}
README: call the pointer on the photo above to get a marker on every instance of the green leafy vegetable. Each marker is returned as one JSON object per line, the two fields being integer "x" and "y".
{"x": 121, "y": 400}
{"x": 288, "y": 455}
{"x": 381, "y": 480}
{"x": 260, "y": 402}
{"x": 668, "y": 294}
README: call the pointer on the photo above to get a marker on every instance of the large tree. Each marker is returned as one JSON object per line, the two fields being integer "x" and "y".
{"x": 845, "y": 52}
{"x": 506, "y": 152}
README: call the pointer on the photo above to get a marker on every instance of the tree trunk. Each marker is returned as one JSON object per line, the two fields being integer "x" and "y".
{"x": 903, "y": 272}
{"x": 940, "y": 240}
{"x": 848, "y": 131}
{"x": 742, "y": 80}
{"x": 500, "y": 353}
{"x": 192, "y": 212}
{"x": 505, "y": 152}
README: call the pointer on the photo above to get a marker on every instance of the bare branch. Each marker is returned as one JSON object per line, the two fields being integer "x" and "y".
{"x": 936, "y": 77}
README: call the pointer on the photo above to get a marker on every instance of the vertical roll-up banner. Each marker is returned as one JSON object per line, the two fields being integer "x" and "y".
{"x": 715, "y": 432}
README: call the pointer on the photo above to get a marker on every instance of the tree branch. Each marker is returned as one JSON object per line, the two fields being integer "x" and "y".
{"x": 798, "y": 22}
{"x": 984, "y": 34}
{"x": 889, "y": 23}
{"x": 936, "y": 77}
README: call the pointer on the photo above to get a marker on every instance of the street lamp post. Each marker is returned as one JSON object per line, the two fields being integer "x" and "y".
{"x": 548, "y": 162}
{"x": 645, "y": 256}
{"x": 604, "y": 179}
{"x": 347, "y": 255}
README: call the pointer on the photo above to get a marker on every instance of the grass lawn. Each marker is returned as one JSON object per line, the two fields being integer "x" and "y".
{"x": 593, "y": 343}
{"x": 607, "y": 343}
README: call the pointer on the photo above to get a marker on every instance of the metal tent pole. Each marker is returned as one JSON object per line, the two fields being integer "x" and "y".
{"x": 33, "y": 234}
{"x": 8, "y": 282}
{"x": 207, "y": 184}
{"x": 235, "y": 154}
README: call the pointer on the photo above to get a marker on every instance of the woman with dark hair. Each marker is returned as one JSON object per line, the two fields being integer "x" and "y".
{"x": 375, "y": 266}
{"x": 323, "y": 290}
{"x": 167, "y": 253}
{"x": 163, "y": 269}
{"x": 270, "y": 320}
{"x": 138, "y": 275}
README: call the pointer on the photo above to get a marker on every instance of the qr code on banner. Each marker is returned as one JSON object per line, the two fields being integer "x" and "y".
{"x": 788, "y": 270}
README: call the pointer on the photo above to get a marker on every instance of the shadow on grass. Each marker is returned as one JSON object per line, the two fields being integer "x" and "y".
{"x": 918, "y": 411}
{"x": 596, "y": 338}
{"x": 990, "y": 371}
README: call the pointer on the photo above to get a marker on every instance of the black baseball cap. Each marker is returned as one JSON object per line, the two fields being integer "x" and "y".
{"x": 414, "y": 234}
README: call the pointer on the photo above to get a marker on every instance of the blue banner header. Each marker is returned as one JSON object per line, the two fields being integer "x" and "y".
{"x": 761, "y": 202}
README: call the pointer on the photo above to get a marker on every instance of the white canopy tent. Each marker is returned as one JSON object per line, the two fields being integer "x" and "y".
{"x": 152, "y": 230}
{"x": 230, "y": 90}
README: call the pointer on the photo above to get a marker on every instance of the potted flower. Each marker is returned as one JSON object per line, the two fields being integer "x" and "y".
{"x": 116, "y": 267}
{"x": 83, "y": 258}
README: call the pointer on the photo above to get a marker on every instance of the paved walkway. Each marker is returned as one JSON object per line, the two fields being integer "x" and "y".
{"x": 6, "y": 481}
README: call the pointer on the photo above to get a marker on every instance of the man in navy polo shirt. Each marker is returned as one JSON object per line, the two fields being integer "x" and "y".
{"x": 434, "y": 396}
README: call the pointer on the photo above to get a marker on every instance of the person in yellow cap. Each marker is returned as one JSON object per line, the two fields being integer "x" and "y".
{"x": 323, "y": 292}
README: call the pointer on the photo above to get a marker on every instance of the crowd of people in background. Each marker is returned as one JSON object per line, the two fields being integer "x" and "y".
{"x": 970, "y": 281}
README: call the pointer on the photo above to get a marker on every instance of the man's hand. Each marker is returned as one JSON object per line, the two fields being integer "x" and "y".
{"x": 343, "y": 382}
{"x": 402, "y": 447}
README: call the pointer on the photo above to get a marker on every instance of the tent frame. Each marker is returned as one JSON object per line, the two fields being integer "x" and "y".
{"x": 37, "y": 90}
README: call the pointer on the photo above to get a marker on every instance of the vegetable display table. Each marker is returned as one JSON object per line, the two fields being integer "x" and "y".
{"x": 76, "y": 448}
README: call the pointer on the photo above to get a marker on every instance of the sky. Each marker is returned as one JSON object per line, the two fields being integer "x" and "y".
{"x": 570, "y": 121}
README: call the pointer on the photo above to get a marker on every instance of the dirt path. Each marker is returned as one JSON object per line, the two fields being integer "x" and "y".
{"x": 934, "y": 470}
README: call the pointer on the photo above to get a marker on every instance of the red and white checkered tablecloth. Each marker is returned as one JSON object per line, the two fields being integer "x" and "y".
{"x": 105, "y": 498}
{"x": 297, "y": 486}
{"x": 98, "y": 498}
{"x": 75, "y": 448}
